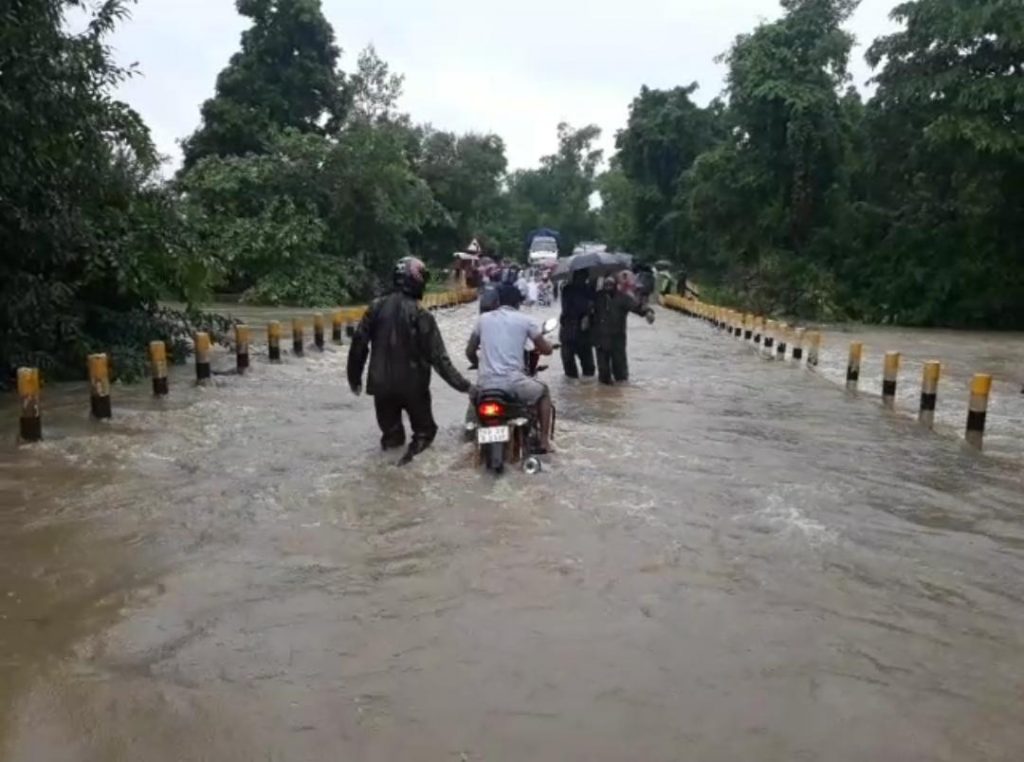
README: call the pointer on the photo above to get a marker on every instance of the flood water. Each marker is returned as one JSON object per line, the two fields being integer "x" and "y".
{"x": 728, "y": 559}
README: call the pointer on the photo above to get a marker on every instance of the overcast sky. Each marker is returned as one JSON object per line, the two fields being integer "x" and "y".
{"x": 516, "y": 69}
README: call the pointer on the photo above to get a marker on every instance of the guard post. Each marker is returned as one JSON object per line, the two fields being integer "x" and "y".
{"x": 853, "y": 365}
{"x": 158, "y": 367}
{"x": 30, "y": 425}
{"x": 99, "y": 387}
{"x": 977, "y": 409}
{"x": 929, "y": 392}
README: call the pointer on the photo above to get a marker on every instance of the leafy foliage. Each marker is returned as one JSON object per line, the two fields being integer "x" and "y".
{"x": 86, "y": 230}
{"x": 796, "y": 196}
{"x": 284, "y": 77}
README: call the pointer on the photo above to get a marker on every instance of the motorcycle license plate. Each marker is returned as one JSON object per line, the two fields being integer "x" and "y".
{"x": 493, "y": 435}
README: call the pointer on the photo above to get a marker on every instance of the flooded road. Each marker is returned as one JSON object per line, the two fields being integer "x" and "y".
{"x": 729, "y": 559}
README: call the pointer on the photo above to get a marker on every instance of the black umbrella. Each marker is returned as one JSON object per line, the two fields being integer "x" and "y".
{"x": 596, "y": 262}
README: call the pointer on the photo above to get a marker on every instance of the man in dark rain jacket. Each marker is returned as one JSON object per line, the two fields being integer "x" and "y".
{"x": 403, "y": 343}
{"x": 575, "y": 334}
{"x": 611, "y": 311}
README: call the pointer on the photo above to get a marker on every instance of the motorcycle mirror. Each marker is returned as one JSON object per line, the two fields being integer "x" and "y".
{"x": 550, "y": 325}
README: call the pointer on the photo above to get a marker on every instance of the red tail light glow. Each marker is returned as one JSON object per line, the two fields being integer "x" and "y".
{"x": 491, "y": 410}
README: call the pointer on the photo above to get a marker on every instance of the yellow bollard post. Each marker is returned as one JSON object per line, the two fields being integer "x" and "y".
{"x": 99, "y": 386}
{"x": 977, "y": 410}
{"x": 351, "y": 319}
{"x": 274, "y": 340}
{"x": 298, "y": 337}
{"x": 318, "y": 331}
{"x": 769, "y": 335}
{"x": 337, "y": 326}
{"x": 930, "y": 392}
{"x": 242, "y": 348}
{"x": 30, "y": 425}
{"x": 783, "y": 340}
{"x": 758, "y": 329}
{"x": 202, "y": 347}
{"x": 799, "y": 336}
{"x": 748, "y": 327}
{"x": 853, "y": 366}
{"x": 814, "y": 353}
{"x": 890, "y": 373}
{"x": 158, "y": 366}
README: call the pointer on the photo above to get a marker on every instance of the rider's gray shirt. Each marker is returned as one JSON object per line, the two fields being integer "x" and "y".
{"x": 503, "y": 334}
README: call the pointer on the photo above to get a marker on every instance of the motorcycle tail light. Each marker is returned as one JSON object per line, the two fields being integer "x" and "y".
{"x": 491, "y": 410}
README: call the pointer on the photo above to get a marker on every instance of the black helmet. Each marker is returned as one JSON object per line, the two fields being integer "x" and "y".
{"x": 509, "y": 296}
{"x": 411, "y": 276}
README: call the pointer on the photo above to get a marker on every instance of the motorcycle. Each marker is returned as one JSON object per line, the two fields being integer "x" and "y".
{"x": 504, "y": 429}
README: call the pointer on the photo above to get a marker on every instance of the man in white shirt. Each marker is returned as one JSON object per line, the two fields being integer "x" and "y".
{"x": 497, "y": 345}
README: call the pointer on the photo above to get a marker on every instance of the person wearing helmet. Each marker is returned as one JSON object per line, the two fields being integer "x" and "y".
{"x": 403, "y": 344}
{"x": 611, "y": 311}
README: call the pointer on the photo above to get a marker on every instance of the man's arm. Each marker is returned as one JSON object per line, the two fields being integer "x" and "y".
{"x": 473, "y": 347}
{"x": 540, "y": 342}
{"x": 635, "y": 307}
{"x": 359, "y": 351}
{"x": 437, "y": 354}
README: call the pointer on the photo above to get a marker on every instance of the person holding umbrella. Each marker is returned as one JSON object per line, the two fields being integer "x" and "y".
{"x": 574, "y": 334}
{"x": 611, "y": 311}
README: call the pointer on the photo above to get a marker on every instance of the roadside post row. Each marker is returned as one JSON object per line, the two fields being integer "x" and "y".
{"x": 343, "y": 321}
{"x": 777, "y": 338}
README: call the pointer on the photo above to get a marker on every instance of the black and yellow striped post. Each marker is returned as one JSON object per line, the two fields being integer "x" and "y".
{"x": 890, "y": 375}
{"x": 274, "y": 340}
{"x": 748, "y": 327}
{"x": 758, "y": 329}
{"x": 158, "y": 367}
{"x": 853, "y": 365}
{"x": 99, "y": 386}
{"x": 929, "y": 392}
{"x": 202, "y": 347}
{"x": 799, "y": 336}
{"x": 769, "y": 335}
{"x": 814, "y": 349}
{"x": 337, "y": 326}
{"x": 783, "y": 341}
{"x": 737, "y": 324}
{"x": 318, "y": 331}
{"x": 242, "y": 348}
{"x": 977, "y": 409}
{"x": 350, "y": 322}
{"x": 30, "y": 425}
{"x": 298, "y": 337}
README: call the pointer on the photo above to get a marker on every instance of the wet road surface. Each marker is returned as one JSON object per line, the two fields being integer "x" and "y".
{"x": 728, "y": 559}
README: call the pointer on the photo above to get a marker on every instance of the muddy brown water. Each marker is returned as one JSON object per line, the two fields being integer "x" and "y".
{"x": 728, "y": 559}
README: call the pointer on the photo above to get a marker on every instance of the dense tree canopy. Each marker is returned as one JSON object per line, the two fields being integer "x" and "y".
{"x": 795, "y": 195}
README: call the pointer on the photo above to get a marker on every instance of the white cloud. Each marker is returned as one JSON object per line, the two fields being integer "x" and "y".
{"x": 516, "y": 69}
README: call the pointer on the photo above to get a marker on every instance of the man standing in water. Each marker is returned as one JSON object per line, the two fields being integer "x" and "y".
{"x": 611, "y": 311}
{"x": 577, "y": 305}
{"x": 403, "y": 343}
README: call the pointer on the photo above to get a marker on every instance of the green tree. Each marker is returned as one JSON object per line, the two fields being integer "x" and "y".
{"x": 88, "y": 233}
{"x": 946, "y": 202}
{"x": 558, "y": 194}
{"x": 284, "y": 77}
{"x": 665, "y": 134}
{"x": 465, "y": 174}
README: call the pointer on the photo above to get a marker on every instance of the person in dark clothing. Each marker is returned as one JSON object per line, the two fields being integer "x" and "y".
{"x": 575, "y": 334}
{"x": 403, "y": 343}
{"x": 611, "y": 311}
